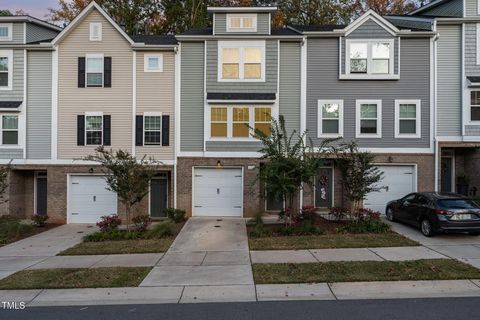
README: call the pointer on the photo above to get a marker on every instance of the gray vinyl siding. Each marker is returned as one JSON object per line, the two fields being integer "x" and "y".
{"x": 449, "y": 81}
{"x": 263, "y": 25}
{"x": 471, "y": 66}
{"x": 11, "y": 153}
{"x": 17, "y": 34}
{"x": 290, "y": 84}
{"x": 16, "y": 94}
{"x": 269, "y": 86}
{"x": 192, "y": 96}
{"x": 38, "y": 33}
{"x": 233, "y": 146}
{"x": 452, "y": 8}
{"x": 370, "y": 30}
{"x": 471, "y": 8}
{"x": 39, "y": 100}
{"x": 323, "y": 83}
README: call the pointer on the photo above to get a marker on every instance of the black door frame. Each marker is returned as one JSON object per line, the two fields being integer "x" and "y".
{"x": 39, "y": 175}
{"x": 162, "y": 176}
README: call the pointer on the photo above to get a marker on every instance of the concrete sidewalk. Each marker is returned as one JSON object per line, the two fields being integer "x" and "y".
{"x": 274, "y": 292}
{"x": 30, "y": 251}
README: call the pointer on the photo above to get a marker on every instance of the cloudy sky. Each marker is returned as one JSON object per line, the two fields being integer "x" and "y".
{"x": 36, "y": 8}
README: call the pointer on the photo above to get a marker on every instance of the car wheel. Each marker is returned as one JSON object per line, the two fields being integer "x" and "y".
{"x": 474, "y": 233}
{"x": 427, "y": 228}
{"x": 390, "y": 214}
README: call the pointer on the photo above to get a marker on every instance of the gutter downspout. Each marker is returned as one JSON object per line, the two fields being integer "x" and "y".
{"x": 436, "y": 150}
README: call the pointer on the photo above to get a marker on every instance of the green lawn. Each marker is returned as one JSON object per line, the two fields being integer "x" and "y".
{"x": 334, "y": 240}
{"x": 120, "y": 247}
{"x": 75, "y": 278}
{"x": 439, "y": 269}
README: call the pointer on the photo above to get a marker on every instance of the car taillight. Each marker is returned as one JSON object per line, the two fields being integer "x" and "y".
{"x": 443, "y": 212}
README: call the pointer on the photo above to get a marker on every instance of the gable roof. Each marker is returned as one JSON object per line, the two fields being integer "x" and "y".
{"x": 30, "y": 19}
{"x": 152, "y": 40}
{"x": 372, "y": 15}
{"x": 93, "y": 5}
{"x": 430, "y": 5}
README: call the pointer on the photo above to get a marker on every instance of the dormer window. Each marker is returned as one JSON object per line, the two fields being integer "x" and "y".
{"x": 242, "y": 23}
{"x": 5, "y": 32}
{"x": 95, "y": 31}
{"x": 370, "y": 57}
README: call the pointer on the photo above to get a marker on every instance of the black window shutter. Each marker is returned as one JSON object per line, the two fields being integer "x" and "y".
{"x": 81, "y": 130}
{"x": 165, "y": 131}
{"x": 107, "y": 72}
{"x": 81, "y": 72}
{"x": 107, "y": 130}
{"x": 139, "y": 131}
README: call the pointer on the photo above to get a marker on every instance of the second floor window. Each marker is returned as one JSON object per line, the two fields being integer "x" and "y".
{"x": 93, "y": 129}
{"x": 475, "y": 106}
{"x": 9, "y": 130}
{"x": 5, "y": 69}
{"x": 407, "y": 119}
{"x": 6, "y": 32}
{"x": 94, "y": 70}
{"x": 152, "y": 129}
{"x": 369, "y": 119}
{"x": 330, "y": 118}
{"x": 370, "y": 57}
{"x": 242, "y": 63}
{"x": 237, "y": 121}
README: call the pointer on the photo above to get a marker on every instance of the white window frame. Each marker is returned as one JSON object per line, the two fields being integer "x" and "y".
{"x": 418, "y": 119}
{"x": 147, "y": 57}
{"x": 9, "y": 55}
{"x": 469, "y": 120}
{"x": 94, "y": 56}
{"x": 19, "y": 132}
{"x": 152, "y": 114}
{"x": 241, "y": 46}
{"x": 94, "y": 37}
{"x": 251, "y": 120}
{"x": 320, "y": 104}
{"x": 93, "y": 114}
{"x": 369, "y": 74}
{"x": 358, "y": 133}
{"x": 242, "y": 16}
{"x": 9, "y": 37}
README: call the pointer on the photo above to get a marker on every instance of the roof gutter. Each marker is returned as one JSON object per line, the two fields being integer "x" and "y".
{"x": 143, "y": 46}
{"x": 261, "y": 37}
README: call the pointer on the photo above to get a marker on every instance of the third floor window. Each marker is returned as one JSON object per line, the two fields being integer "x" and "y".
{"x": 241, "y": 63}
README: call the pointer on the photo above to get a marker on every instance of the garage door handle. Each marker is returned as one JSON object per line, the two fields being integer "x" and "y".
{"x": 94, "y": 198}
{"x": 198, "y": 206}
{"x": 74, "y": 213}
{"x": 238, "y": 207}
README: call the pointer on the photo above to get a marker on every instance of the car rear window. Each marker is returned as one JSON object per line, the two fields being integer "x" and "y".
{"x": 457, "y": 204}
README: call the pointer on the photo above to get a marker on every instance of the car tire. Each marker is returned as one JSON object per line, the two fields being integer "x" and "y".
{"x": 474, "y": 233}
{"x": 390, "y": 215}
{"x": 427, "y": 228}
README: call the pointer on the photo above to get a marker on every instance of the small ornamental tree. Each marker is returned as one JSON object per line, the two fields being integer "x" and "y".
{"x": 360, "y": 175}
{"x": 126, "y": 175}
{"x": 289, "y": 163}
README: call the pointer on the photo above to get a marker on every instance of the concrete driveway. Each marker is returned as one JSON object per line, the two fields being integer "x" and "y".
{"x": 457, "y": 246}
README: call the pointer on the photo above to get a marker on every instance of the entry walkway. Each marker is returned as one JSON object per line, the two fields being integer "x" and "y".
{"x": 209, "y": 258}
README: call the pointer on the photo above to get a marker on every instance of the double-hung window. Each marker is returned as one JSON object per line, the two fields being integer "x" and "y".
{"x": 6, "y": 31}
{"x": 9, "y": 129}
{"x": 369, "y": 119}
{"x": 94, "y": 70}
{"x": 152, "y": 129}
{"x": 237, "y": 121}
{"x": 241, "y": 61}
{"x": 6, "y": 69}
{"x": 94, "y": 129}
{"x": 407, "y": 119}
{"x": 330, "y": 118}
{"x": 475, "y": 105}
{"x": 370, "y": 57}
{"x": 241, "y": 22}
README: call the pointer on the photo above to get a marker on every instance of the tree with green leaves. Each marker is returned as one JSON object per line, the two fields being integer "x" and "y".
{"x": 4, "y": 180}
{"x": 290, "y": 163}
{"x": 360, "y": 176}
{"x": 5, "y": 13}
{"x": 126, "y": 175}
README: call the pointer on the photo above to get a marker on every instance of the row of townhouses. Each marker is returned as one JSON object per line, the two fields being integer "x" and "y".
{"x": 406, "y": 88}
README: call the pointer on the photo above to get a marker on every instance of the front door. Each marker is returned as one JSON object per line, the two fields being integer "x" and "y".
{"x": 41, "y": 193}
{"x": 158, "y": 197}
{"x": 324, "y": 188}
{"x": 447, "y": 172}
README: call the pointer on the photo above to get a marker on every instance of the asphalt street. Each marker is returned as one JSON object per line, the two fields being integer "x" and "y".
{"x": 409, "y": 309}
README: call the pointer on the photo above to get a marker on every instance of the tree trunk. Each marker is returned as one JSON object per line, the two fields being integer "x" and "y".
{"x": 127, "y": 213}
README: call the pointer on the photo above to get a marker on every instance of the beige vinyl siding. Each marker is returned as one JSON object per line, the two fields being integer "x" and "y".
{"x": 156, "y": 93}
{"x": 115, "y": 101}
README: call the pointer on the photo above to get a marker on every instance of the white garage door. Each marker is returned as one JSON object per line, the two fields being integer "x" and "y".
{"x": 89, "y": 199}
{"x": 398, "y": 181}
{"x": 217, "y": 192}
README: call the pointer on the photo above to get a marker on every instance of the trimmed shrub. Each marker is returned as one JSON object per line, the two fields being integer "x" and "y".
{"x": 40, "y": 220}
{"x": 142, "y": 222}
{"x": 176, "y": 215}
{"x": 161, "y": 230}
{"x": 109, "y": 223}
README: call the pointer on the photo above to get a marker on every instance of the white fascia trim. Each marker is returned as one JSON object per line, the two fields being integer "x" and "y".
{"x": 82, "y": 15}
{"x": 9, "y": 37}
{"x": 303, "y": 86}
{"x": 392, "y": 150}
{"x": 418, "y": 119}
{"x": 177, "y": 67}
{"x": 67, "y": 162}
{"x": 449, "y": 138}
{"x": 377, "y": 135}
{"x": 134, "y": 102}
{"x": 9, "y": 55}
{"x": 241, "y": 9}
{"x": 54, "y": 133}
{"x": 211, "y": 154}
{"x": 471, "y": 139}
{"x": 320, "y": 103}
{"x": 146, "y": 58}
{"x": 241, "y": 45}
{"x": 370, "y": 14}
{"x": 241, "y": 101}
{"x": 25, "y": 104}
